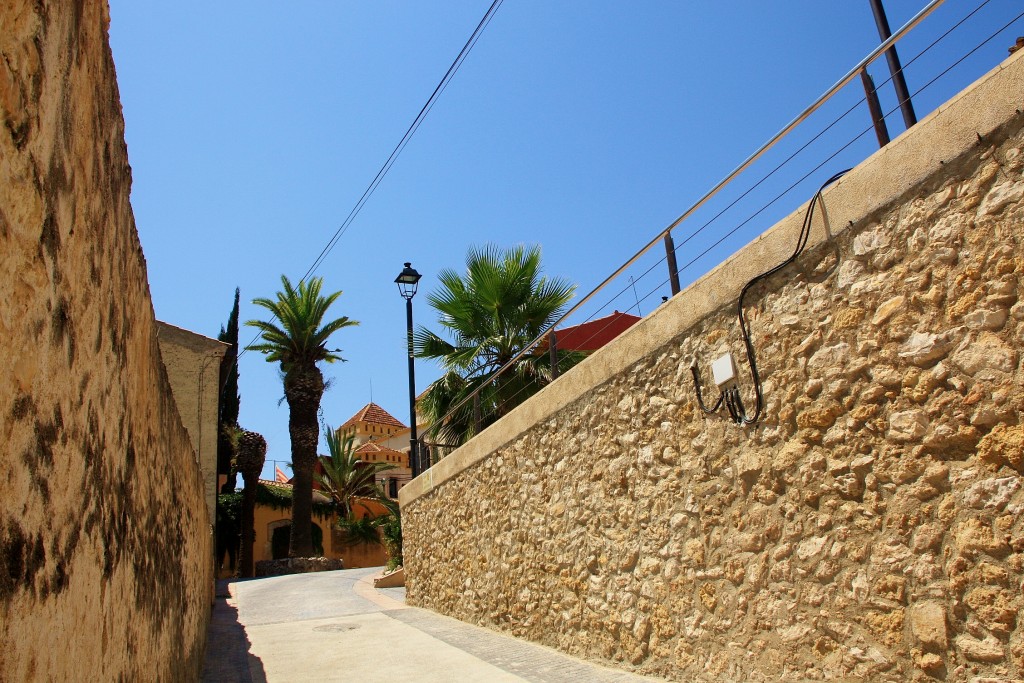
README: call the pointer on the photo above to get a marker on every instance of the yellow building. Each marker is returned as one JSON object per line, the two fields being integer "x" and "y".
{"x": 399, "y": 440}
{"x": 272, "y": 522}
{"x": 372, "y": 423}
{"x": 375, "y": 431}
{"x": 390, "y": 480}
{"x": 193, "y": 370}
{"x": 371, "y": 426}
{"x": 272, "y": 519}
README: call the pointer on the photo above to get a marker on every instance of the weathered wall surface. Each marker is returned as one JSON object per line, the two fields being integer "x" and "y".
{"x": 193, "y": 362}
{"x": 868, "y": 528}
{"x": 104, "y": 537}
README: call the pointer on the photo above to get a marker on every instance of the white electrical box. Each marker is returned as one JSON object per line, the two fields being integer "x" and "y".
{"x": 724, "y": 370}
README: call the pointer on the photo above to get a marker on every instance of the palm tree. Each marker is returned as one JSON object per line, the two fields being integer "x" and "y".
{"x": 298, "y": 342}
{"x": 344, "y": 476}
{"x": 252, "y": 451}
{"x": 390, "y": 526}
{"x": 491, "y": 314}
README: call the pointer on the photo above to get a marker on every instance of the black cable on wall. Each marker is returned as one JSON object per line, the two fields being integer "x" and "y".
{"x": 730, "y": 396}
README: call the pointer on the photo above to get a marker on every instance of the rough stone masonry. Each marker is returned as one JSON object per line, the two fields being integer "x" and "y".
{"x": 869, "y": 528}
{"x": 105, "y": 557}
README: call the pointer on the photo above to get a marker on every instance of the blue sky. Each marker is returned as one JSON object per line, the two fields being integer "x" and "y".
{"x": 584, "y": 127}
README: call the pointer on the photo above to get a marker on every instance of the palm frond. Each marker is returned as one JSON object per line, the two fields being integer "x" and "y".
{"x": 301, "y": 335}
{"x": 345, "y": 477}
{"x": 489, "y": 314}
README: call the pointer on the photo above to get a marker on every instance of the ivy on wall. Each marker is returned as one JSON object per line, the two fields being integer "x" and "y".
{"x": 229, "y": 514}
{"x": 229, "y": 505}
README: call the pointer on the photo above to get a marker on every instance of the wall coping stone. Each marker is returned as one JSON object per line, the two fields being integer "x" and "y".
{"x": 191, "y": 340}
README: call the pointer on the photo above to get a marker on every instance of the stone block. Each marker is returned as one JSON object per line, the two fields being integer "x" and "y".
{"x": 989, "y": 650}
{"x": 925, "y": 348}
{"x": 991, "y": 494}
{"x": 928, "y": 624}
{"x": 296, "y": 565}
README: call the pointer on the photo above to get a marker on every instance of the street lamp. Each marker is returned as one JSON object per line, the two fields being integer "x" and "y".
{"x": 407, "y": 281}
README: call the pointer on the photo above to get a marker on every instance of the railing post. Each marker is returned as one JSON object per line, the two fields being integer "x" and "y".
{"x": 477, "y": 417}
{"x": 673, "y": 267}
{"x": 877, "y": 119}
{"x": 553, "y": 354}
{"x": 425, "y": 455}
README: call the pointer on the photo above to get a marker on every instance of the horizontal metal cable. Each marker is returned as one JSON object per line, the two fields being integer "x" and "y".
{"x": 850, "y": 75}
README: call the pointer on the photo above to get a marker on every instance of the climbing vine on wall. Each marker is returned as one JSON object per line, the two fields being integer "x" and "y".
{"x": 229, "y": 505}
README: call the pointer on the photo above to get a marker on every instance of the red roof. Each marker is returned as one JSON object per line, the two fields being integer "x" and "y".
{"x": 372, "y": 412}
{"x": 592, "y": 335}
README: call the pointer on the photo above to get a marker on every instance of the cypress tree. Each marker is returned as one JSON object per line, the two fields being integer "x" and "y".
{"x": 230, "y": 401}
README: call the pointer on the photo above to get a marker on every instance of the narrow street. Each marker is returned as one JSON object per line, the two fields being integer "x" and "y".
{"x": 335, "y": 626}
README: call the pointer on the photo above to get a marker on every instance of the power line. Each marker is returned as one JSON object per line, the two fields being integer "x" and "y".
{"x": 410, "y": 131}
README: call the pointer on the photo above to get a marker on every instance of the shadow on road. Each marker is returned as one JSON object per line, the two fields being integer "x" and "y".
{"x": 228, "y": 659}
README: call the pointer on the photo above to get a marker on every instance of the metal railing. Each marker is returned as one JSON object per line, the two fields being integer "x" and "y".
{"x": 665, "y": 235}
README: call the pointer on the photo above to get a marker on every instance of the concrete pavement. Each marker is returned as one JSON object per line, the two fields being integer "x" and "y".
{"x": 335, "y": 626}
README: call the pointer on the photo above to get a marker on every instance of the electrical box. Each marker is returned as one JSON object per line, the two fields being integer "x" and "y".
{"x": 724, "y": 370}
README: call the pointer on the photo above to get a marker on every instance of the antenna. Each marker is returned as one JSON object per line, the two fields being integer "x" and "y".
{"x": 632, "y": 283}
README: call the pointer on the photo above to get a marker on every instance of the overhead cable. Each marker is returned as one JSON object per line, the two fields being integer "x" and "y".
{"x": 410, "y": 131}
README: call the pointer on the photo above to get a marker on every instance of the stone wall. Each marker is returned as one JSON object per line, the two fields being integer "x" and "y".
{"x": 103, "y": 533}
{"x": 868, "y": 528}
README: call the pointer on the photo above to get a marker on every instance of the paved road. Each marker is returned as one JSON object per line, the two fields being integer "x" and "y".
{"x": 334, "y": 626}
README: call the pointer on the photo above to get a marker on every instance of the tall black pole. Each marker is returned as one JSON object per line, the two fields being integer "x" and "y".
{"x": 414, "y": 455}
{"x": 673, "y": 269}
{"x": 895, "y": 69}
{"x": 877, "y": 119}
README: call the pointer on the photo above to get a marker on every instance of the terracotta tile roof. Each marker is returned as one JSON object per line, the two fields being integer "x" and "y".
{"x": 317, "y": 496}
{"x": 373, "y": 447}
{"x": 372, "y": 412}
{"x": 592, "y": 335}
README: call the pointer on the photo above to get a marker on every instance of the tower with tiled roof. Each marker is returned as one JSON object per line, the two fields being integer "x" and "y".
{"x": 372, "y": 423}
{"x": 371, "y": 451}
{"x": 371, "y": 427}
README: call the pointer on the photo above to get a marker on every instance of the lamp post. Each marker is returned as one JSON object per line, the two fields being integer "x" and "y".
{"x": 407, "y": 281}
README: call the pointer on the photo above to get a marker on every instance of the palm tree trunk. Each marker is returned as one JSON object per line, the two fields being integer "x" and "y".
{"x": 252, "y": 450}
{"x": 304, "y": 387}
{"x": 248, "y": 533}
{"x": 301, "y": 543}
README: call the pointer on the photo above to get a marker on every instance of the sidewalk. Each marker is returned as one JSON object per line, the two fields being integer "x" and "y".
{"x": 335, "y": 626}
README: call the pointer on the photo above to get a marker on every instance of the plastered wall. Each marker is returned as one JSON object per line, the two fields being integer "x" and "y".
{"x": 868, "y": 528}
{"x": 193, "y": 363}
{"x": 104, "y": 536}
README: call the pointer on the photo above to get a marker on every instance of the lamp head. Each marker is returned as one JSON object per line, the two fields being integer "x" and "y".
{"x": 407, "y": 281}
